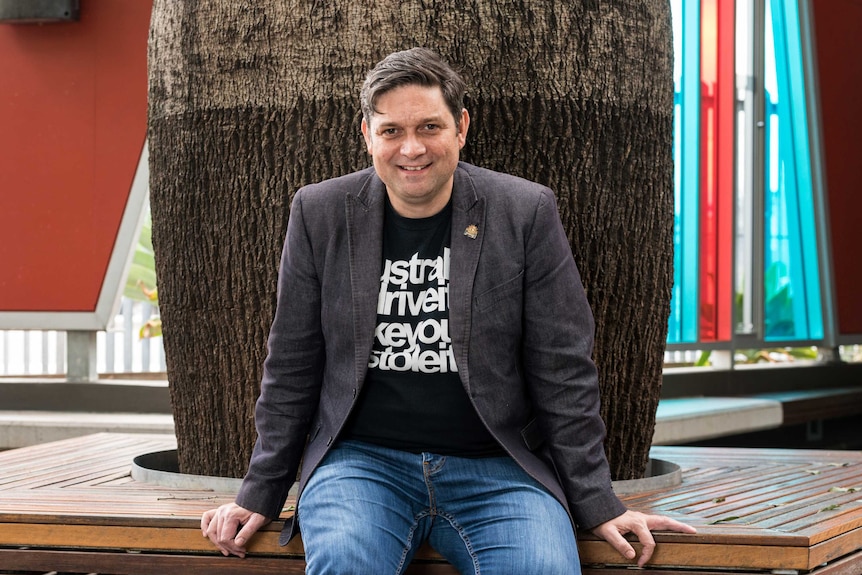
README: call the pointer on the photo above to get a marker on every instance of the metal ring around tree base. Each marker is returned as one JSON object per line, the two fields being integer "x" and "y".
{"x": 162, "y": 468}
{"x": 660, "y": 474}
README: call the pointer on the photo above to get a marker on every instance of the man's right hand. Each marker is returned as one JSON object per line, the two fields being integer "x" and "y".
{"x": 222, "y": 527}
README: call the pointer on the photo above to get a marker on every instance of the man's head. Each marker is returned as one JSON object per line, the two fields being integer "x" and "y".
{"x": 417, "y": 66}
{"x": 414, "y": 127}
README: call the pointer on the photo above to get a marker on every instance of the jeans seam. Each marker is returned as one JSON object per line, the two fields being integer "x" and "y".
{"x": 429, "y": 485}
{"x": 409, "y": 543}
{"x": 464, "y": 537}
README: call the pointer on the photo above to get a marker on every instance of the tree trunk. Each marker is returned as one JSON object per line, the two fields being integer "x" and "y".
{"x": 251, "y": 100}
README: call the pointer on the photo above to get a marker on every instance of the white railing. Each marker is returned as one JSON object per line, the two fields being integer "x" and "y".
{"x": 120, "y": 349}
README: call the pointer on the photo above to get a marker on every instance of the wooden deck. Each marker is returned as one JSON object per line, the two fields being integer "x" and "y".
{"x": 71, "y": 506}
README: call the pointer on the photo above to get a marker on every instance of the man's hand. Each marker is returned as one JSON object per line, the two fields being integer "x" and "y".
{"x": 640, "y": 524}
{"x": 222, "y": 527}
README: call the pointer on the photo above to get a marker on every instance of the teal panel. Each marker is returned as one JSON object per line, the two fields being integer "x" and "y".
{"x": 683, "y": 322}
{"x": 792, "y": 307}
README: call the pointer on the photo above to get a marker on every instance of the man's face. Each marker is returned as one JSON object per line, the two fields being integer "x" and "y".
{"x": 415, "y": 145}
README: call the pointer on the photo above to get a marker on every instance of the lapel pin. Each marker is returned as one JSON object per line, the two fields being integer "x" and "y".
{"x": 472, "y": 231}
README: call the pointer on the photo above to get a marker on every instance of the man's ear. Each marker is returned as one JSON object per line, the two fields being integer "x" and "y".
{"x": 366, "y": 133}
{"x": 463, "y": 126}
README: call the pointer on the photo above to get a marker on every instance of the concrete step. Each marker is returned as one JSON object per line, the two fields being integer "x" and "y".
{"x": 23, "y": 428}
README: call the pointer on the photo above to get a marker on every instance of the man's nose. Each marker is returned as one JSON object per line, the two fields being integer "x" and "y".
{"x": 412, "y": 146}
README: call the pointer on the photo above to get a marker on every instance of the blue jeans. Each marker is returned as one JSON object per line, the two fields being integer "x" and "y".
{"x": 366, "y": 509}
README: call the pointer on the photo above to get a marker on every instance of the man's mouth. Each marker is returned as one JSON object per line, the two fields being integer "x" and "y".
{"x": 414, "y": 168}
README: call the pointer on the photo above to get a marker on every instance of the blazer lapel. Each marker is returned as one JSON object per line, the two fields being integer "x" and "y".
{"x": 365, "y": 243}
{"x": 468, "y": 232}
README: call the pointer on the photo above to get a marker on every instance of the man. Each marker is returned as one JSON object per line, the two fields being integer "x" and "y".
{"x": 429, "y": 362}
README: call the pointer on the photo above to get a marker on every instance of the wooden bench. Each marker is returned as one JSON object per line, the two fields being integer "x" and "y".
{"x": 72, "y": 506}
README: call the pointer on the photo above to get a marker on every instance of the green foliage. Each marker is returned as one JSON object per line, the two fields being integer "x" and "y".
{"x": 769, "y": 355}
{"x": 141, "y": 281}
{"x": 703, "y": 359}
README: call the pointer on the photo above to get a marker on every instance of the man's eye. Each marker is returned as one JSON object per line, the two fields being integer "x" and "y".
{"x": 431, "y": 127}
{"x": 389, "y": 132}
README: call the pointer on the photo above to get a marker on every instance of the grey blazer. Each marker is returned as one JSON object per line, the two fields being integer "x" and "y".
{"x": 520, "y": 325}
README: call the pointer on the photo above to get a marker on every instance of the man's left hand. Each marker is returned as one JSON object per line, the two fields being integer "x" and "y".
{"x": 641, "y": 525}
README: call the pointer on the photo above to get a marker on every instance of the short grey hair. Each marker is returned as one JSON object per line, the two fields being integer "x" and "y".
{"x": 417, "y": 66}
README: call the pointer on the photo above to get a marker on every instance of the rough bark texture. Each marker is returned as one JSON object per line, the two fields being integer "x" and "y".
{"x": 249, "y": 100}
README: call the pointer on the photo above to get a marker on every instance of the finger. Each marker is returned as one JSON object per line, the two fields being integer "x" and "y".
{"x": 662, "y": 523}
{"x": 647, "y": 542}
{"x": 222, "y": 531}
{"x": 618, "y": 542}
{"x": 254, "y": 523}
{"x": 205, "y": 521}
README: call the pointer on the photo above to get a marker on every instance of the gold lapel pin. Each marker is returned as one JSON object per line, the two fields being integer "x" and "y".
{"x": 472, "y": 231}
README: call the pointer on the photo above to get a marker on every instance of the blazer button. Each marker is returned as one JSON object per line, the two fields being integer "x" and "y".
{"x": 354, "y": 392}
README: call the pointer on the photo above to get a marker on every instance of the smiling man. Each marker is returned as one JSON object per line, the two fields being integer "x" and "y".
{"x": 414, "y": 141}
{"x": 429, "y": 362}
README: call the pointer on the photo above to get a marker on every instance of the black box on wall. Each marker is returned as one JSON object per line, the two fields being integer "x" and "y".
{"x": 38, "y": 11}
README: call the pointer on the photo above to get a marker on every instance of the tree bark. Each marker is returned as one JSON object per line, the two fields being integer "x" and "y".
{"x": 251, "y": 100}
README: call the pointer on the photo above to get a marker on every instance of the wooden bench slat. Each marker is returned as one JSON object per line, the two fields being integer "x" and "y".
{"x": 708, "y": 556}
{"x": 149, "y": 563}
{"x": 79, "y": 498}
{"x": 837, "y": 547}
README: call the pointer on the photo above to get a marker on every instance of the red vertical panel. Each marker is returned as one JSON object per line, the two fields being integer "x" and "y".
{"x": 708, "y": 268}
{"x": 716, "y": 168}
{"x": 838, "y": 27}
{"x": 725, "y": 161}
{"x": 73, "y": 106}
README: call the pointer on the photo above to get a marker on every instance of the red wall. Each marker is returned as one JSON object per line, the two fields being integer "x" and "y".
{"x": 72, "y": 127}
{"x": 838, "y": 29}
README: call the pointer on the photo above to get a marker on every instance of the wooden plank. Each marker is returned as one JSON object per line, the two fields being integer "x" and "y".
{"x": 149, "y": 563}
{"x": 703, "y": 555}
{"x": 850, "y": 565}
{"x": 148, "y": 539}
{"x": 757, "y": 485}
{"x": 131, "y": 538}
{"x": 78, "y": 497}
{"x": 835, "y": 548}
{"x": 612, "y": 570}
{"x": 51, "y": 463}
{"x": 146, "y": 564}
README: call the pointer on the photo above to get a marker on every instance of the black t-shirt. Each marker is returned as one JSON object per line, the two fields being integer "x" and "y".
{"x": 413, "y": 399}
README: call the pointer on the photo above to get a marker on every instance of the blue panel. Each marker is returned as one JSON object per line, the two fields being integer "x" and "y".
{"x": 682, "y": 327}
{"x": 792, "y": 290}
{"x": 674, "y": 331}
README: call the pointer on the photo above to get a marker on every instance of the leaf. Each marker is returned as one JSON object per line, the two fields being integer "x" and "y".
{"x": 718, "y": 500}
{"x": 724, "y": 520}
{"x": 143, "y": 266}
{"x": 830, "y": 508}
{"x": 152, "y": 328}
{"x": 812, "y": 471}
{"x": 844, "y": 489}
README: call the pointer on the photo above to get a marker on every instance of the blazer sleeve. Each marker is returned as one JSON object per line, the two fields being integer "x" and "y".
{"x": 561, "y": 376}
{"x": 292, "y": 374}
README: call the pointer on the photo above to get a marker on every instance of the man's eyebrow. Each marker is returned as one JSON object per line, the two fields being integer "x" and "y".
{"x": 435, "y": 119}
